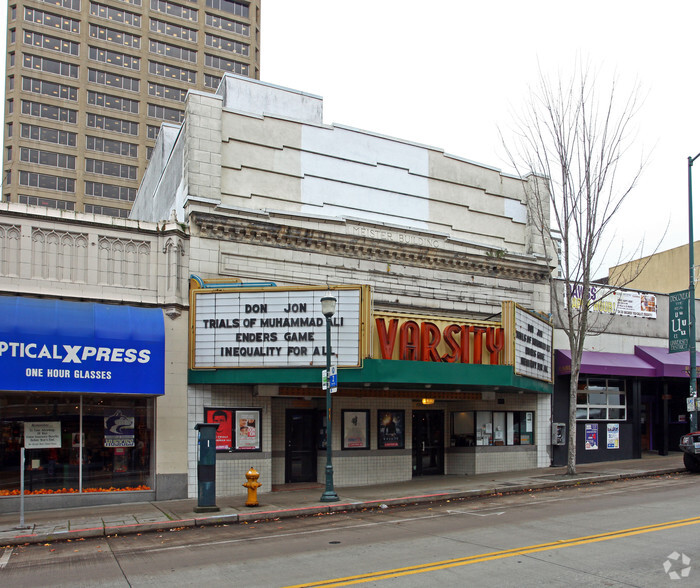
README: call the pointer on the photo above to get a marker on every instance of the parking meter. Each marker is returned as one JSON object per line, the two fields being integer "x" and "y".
{"x": 206, "y": 468}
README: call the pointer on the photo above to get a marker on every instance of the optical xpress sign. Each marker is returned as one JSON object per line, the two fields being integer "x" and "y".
{"x": 274, "y": 328}
{"x": 61, "y": 346}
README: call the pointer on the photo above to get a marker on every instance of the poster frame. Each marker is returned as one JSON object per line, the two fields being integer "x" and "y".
{"x": 362, "y": 425}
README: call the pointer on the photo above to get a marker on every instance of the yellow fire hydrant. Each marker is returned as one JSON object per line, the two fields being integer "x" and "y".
{"x": 252, "y": 484}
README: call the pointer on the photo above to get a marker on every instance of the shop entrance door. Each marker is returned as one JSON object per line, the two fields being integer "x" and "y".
{"x": 300, "y": 455}
{"x": 428, "y": 442}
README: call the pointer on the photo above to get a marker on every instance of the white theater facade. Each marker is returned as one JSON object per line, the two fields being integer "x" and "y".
{"x": 443, "y": 353}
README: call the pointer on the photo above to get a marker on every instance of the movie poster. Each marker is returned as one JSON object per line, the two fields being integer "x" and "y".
{"x": 248, "y": 430}
{"x": 223, "y": 417}
{"x": 391, "y": 429}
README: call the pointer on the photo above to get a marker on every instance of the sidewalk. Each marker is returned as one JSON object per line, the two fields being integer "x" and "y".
{"x": 296, "y": 500}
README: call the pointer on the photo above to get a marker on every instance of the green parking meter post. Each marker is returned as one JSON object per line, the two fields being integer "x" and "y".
{"x": 206, "y": 468}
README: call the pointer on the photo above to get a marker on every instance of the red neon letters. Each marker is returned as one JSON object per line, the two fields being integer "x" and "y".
{"x": 419, "y": 342}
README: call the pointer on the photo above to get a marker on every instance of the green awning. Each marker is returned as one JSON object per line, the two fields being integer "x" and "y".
{"x": 382, "y": 372}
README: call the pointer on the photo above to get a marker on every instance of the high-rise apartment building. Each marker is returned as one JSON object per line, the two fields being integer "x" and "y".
{"x": 89, "y": 83}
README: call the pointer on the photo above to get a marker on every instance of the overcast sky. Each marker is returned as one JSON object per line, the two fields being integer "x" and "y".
{"x": 450, "y": 73}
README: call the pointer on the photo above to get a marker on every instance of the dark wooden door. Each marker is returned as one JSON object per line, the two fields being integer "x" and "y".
{"x": 300, "y": 456}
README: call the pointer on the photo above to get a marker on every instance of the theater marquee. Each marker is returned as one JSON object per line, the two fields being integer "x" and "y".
{"x": 275, "y": 327}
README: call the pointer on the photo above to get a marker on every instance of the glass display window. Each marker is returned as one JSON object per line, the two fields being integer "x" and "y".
{"x": 106, "y": 443}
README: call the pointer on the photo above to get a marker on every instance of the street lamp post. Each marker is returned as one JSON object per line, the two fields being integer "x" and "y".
{"x": 691, "y": 300}
{"x": 328, "y": 305}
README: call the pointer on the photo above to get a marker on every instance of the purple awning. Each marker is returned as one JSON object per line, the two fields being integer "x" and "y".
{"x": 646, "y": 362}
{"x": 609, "y": 364}
{"x": 668, "y": 365}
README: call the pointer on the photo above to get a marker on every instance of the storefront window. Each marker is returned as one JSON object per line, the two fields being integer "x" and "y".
{"x": 485, "y": 427}
{"x": 112, "y": 433}
{"x": 601, "y": 400}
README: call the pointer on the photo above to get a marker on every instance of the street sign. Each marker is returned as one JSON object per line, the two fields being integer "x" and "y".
{"x": 678, "y": 321}
{"x": 324, "y": 379}
{"x": 334, "y": 379}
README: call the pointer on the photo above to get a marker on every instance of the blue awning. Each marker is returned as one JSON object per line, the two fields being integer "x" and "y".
{"x": 60, "y": 346}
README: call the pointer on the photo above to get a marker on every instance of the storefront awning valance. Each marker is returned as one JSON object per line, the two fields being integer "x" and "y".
{"x": 61, "y": 346}
{"x": 646, "y": 362}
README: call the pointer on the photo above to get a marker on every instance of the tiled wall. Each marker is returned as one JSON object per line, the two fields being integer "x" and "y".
{"x": 358, "y": 467}
{"x": 230, "y": 467}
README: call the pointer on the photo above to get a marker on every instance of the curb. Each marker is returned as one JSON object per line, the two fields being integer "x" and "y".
{"x": 267, "y": 515}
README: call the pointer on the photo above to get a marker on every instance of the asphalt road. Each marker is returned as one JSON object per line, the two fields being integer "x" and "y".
{"x": 640, "y": 532}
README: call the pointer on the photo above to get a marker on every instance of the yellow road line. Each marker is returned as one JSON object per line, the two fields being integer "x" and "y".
{"x": 495, "y": 555}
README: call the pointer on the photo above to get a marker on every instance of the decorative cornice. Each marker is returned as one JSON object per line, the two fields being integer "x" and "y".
{"x": 303, "y": 239}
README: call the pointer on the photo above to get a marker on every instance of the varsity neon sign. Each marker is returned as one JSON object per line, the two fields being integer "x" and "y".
{"x": 426, "y": 341}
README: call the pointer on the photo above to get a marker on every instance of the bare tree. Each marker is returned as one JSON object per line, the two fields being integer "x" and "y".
{"x": 573, "y": 138}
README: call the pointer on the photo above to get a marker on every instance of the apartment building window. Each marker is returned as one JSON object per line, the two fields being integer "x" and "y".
{"x": 113, "y": 81}
{"x": 12, "y": 59}
{"x": 11, "y": 82}
{"x": 134, "y": 2}
{"x": 9, "y": 129}
{"x": 48, "y": 135}
{"x": 111, "y": 168}
{"x": 112, "y": 146}
{"x": 601, "y": 399}
{"x": 167, "y": 92}
{"x": 53, "y": 66}
{"x": 113, "y": 102}
{"x": 211, "y": 81}
{"x": 115, "y": 14}
{"x": 226, "y": 64}
{"x": 116, "y": 125}
{"x": 70, "y": 4}
{"x": 49, "y": 89}
{"x": 47, "y": 111}
{"x": 49, "y": 19}
{"x": 165, "y": 113}
{"x": 235, "y": 8}
{"x": 101, "y": 190}
{"x": 114, "y": 58}
{"x": 149, "y": 153}
{"x": 13, "y": 12}
{"x": 8, "y": 153}
{"x": 226, "y": 45}
{"x": 152, "y": 132}
{"x": 51, "y": 43}
{"x": 228, "y": 25}
{"x": 172, "y": 72}
{"x": 172, "y": 9}
{"x": 173, "y": 51}
{"x": 10, "y": 106}
{"x": 113, "y": 36}
{"x": 13, "y": 34}
{"x": 48, "y": 158}
{"x": 107, "y": 210}
{"x": 46, "y": 181}
{"x": 47, "y": 202}
{"x": 172, "y": 30}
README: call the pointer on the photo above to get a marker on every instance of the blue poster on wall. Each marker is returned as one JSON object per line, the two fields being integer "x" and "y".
{"x": 60, "y": 346}
{"x": 591, "y": 435}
